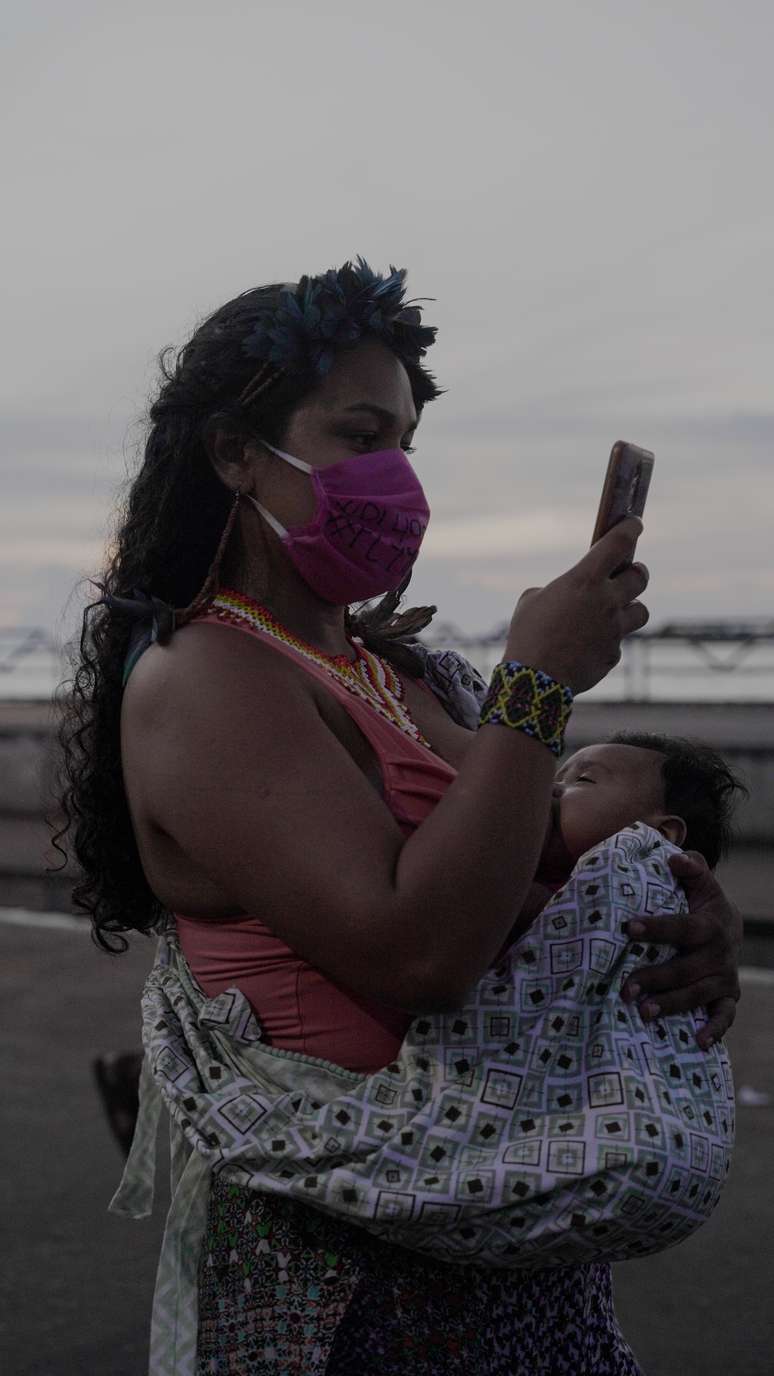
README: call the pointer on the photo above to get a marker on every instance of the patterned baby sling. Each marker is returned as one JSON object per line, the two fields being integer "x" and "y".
{"x": 540, "y": 1124}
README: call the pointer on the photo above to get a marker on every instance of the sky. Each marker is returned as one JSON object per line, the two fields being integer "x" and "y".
{"x": 584, "y": 190}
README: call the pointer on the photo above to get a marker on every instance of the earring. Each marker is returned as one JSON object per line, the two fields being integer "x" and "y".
{"x": 227, "y": 529}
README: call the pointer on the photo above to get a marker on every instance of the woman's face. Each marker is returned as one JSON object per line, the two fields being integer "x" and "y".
{"x": 364, "y": 404}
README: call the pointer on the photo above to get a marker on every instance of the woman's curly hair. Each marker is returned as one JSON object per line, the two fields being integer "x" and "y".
{"x": 168, "y": 530}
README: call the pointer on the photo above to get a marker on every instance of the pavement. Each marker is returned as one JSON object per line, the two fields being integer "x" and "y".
{"x": 76, "y": 1283}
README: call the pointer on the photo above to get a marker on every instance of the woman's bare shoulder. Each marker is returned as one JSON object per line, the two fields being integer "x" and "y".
{"x": 203, "y": 660}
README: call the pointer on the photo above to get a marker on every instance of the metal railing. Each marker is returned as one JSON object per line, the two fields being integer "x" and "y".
{"x": 720, "y": 649}
{"x": 728, "y": 650}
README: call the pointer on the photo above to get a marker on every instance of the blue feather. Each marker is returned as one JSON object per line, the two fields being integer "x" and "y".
{"x": 335, "y": 309}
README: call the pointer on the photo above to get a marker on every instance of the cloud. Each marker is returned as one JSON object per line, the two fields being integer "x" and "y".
{"x": 51, "y": 432}
{"x": 69, "y": 552}
{"x": 558, "y": 416}
{"x": 487, "y": 537}
{"x": 597, "y": 259}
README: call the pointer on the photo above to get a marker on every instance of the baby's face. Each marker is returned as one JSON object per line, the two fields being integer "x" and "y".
{"x": 600, "y": 789}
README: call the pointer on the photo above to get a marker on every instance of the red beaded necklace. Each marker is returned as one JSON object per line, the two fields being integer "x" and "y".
{"x": 368, "y": 677}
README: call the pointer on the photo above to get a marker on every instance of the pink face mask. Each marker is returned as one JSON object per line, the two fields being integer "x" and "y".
{"x": 370, "y": 517}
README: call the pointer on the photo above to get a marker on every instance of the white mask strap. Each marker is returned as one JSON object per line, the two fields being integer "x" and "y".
{"x": 267, "y": 516}
{"x": 297, "y": 463}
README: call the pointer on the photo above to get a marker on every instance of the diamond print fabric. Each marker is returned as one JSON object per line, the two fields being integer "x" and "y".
{"x": 456, "y": 682}
{"x": 541, "y": 1124}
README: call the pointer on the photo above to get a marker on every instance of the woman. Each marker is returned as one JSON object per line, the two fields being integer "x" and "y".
{"x": 308, "y": 798}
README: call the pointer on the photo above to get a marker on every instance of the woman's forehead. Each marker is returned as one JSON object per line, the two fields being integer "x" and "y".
{"x": 369, "y": 373}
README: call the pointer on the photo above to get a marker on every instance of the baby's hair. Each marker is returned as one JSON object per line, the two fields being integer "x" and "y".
{"x": 698, "y": 786}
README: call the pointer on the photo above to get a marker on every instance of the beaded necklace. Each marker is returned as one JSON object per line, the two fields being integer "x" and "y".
{"x": 368, "y": 677}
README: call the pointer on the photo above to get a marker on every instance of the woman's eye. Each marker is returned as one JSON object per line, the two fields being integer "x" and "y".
{"x": 584, "y": 779}
{"x": 408, "y": 449}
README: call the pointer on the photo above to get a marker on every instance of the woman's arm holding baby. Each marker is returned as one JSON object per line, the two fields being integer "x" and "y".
{"x": 705, "y": 972}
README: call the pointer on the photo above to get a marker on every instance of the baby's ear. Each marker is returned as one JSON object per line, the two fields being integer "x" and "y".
{"x": 673, "y": 829}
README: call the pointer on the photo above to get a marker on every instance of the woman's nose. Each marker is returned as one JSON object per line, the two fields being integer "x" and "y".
{"x": 557, "y": 790}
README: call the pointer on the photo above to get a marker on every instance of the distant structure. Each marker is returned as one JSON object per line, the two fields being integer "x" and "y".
{"x": 31, "y": 661}
{"x": 16, "y": 642}
{"x": 738, "y": 647}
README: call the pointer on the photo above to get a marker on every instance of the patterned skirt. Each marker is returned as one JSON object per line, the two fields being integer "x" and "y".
{"x": 287, "y": 1291}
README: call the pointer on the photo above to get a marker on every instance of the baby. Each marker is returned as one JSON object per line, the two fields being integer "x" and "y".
{"x": 682, "y": 789}
{"x": 609, "y": 1136}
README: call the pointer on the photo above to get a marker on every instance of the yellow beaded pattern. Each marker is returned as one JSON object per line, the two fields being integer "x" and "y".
{"x": 528, "y": 700}
{"x": 368, "y": 677}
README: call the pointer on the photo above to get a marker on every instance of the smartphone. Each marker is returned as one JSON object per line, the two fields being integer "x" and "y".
{"x": 626, "y": 486}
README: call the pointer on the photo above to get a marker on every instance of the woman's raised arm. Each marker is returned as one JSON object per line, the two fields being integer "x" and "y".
{"x": 241, "y": 771}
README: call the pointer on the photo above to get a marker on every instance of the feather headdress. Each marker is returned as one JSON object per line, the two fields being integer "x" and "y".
{"x": 320, "y": 315}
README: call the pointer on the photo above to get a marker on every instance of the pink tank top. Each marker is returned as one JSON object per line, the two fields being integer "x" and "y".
{"x": 300, "y": 1008}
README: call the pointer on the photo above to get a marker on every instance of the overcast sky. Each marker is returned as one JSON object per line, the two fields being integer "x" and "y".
{"x": 585, "y": 189}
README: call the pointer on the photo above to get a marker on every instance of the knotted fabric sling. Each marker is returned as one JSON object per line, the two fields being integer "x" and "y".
{"x": 541, "y": 1124}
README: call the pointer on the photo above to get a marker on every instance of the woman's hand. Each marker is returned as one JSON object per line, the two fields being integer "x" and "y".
{"x": 573, "y": 627}
{"x": 705, "y": 973}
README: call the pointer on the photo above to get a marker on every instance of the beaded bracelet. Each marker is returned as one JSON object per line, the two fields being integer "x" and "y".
{"x": 529, "y": 700}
